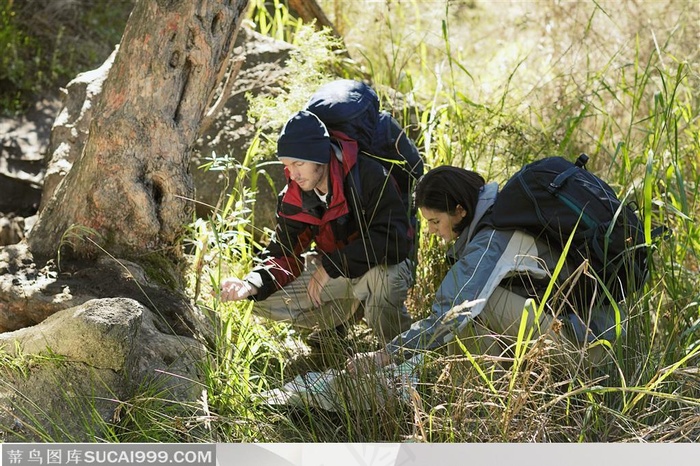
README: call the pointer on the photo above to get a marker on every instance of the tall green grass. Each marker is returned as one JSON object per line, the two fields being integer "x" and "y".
{"x": 629, "y": 100}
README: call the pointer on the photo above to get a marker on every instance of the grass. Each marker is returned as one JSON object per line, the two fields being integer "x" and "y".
{"x": 622, "y": 96}
{"x": 618, "y": 81}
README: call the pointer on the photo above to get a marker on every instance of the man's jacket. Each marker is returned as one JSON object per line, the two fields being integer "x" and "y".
{"x": 363, "y": 225}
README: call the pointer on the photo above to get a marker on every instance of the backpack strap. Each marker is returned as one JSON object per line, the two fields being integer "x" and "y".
{"x": 354, "y": 177}
{"x": 556, "y": 184}
{"x": 662, "y": 232}
{"x": 337, "y": 150}
{"x": 560, "y": 179}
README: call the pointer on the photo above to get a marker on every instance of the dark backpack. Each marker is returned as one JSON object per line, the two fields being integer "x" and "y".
{"x": 553, "y": 199}
{"x": 352, "y": 107}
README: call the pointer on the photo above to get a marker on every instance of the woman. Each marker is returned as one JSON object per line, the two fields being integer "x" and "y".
{"x": 496, "y": 276}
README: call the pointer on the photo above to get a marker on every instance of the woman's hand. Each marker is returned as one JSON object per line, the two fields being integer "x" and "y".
{"x": 363, "y": 363}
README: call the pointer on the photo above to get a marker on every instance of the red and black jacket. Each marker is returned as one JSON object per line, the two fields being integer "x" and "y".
{"x": 364, "y": 225}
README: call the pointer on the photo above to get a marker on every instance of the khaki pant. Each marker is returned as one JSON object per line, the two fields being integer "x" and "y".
{"x": 381, "y": 292}
{"x": 495, "y": 330}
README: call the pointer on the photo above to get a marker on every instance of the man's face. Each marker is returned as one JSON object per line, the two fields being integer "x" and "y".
{"x": 308, "y": 175}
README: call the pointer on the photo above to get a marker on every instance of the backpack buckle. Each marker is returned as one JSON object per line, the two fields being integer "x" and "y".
{"x": 581, "y": 161}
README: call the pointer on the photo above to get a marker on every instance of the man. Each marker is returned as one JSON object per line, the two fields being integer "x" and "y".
{"x": 351, "y": 211}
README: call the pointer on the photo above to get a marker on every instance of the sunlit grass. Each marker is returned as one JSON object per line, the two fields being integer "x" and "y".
{"x": 594, "y": 82}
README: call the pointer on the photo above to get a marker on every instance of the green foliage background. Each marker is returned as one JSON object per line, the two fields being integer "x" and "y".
{"x": 44, "y": 44}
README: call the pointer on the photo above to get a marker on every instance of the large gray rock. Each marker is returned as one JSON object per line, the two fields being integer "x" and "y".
{"x": 31, "y": 292}
{"x": 80, "y": 343}
{"x": 23, "y": 143}
{"x": 73, "y": 371}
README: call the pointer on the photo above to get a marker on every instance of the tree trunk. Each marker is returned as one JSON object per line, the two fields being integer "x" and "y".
{"x": 310, "y": 10}
{"x": 131, "y": 188}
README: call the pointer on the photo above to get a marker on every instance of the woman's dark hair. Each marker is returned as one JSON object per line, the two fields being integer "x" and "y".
{"x": 444, "y": 188}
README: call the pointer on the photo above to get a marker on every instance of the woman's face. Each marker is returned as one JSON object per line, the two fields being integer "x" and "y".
{"x": 443, "y": 223}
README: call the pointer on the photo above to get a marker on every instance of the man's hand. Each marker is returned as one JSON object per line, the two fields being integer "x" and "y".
{"x": 235, "y": 289}
{"x": 363, "y": 363}
{"x": 318, "y": 280}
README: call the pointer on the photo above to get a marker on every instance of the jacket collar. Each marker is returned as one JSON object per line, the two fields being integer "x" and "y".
{"x": 487, "y": 197}
{"x": 300, "y": 203}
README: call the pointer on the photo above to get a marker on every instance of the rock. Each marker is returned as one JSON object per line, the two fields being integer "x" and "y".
{"x": 11, "y": 229}
{"x": 30, "y": 292}
{"x": 86, "y": 361}
{"x": 23, "y": 143}
{"x": 86, "y": 338}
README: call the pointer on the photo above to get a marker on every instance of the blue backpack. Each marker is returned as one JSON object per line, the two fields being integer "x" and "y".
{"x": 352, "y": 107}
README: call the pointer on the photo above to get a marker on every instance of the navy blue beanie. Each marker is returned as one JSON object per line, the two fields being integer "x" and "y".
{"x": 305, "y": 137}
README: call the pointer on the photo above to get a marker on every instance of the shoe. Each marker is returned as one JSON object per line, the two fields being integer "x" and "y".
{"x": 318, "y": 337}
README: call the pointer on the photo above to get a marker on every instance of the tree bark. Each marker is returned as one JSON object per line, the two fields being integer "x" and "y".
{"x": 131, "y": 188}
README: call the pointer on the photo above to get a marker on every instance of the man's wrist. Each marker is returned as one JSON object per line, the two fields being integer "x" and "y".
{"x": 254, "y": 279}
